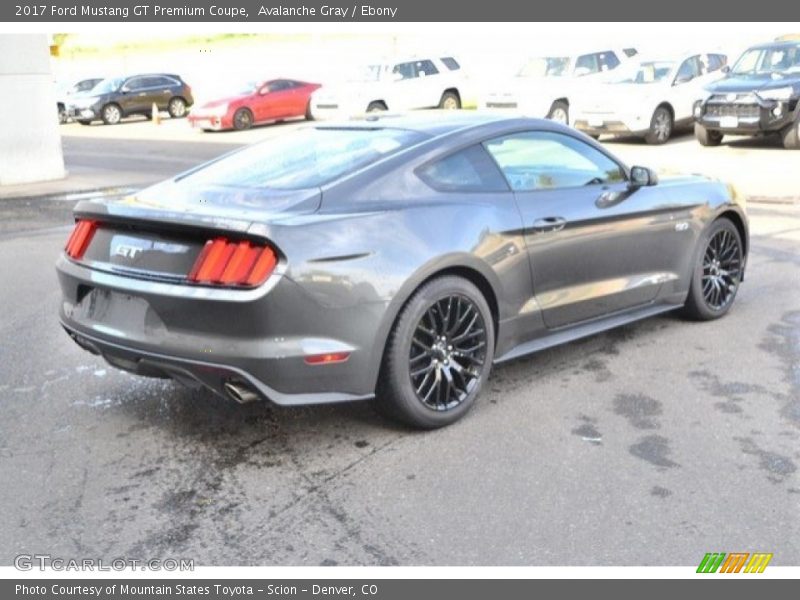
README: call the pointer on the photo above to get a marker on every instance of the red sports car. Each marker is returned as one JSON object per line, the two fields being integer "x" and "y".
{"x": 255, "y": 103}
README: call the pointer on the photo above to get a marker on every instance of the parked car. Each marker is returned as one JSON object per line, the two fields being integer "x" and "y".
{"x": 760, "y": 95}
{"x": 392, "y": 257}
{"x": 64, "y": 91}
{"x": 256, "y": 103}
{"x": 394, "y": 85}
{"x": 115, "y": 98}
{"x": 545, "y": 85}
{"x": 650, "y": 98}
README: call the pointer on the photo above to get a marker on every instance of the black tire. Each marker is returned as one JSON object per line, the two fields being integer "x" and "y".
{"x": 309, "y": 113}
{"x": 714, "y": 284}
{"x": 84, "y": 122}
{"x": 661, "y": 126}
{"x": 450, "y": 101}
{"x": 376, "y": 106}
{"x": 791, "y": 136}
{"x": 63, "y": 117}
{"x": 707, "y": 137}
{"x": 242, "y": 119}
{"x": 177, "y": 108}
{"x": 559, "y": 111}
{"x": 432, "y": 388}
{"x": 111, "y": 114}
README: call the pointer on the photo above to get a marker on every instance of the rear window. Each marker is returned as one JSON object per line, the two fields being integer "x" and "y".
{"x": 470, "y": 170}
{"x": 451, "y": 63}
{"x": 307, "y": 158}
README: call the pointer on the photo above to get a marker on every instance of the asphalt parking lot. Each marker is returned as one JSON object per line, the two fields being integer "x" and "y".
{"x": 649, "y": 445}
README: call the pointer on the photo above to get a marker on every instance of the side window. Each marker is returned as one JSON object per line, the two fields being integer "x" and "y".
{"x": 469, "y": 170}
{"x": 163, "y": 82}
{"x": 279, "y": 85}
{"x": 451, "y": 63}
{"x": 427, "y": 68}
{"x": 586, "y": 65}
{"x": 630, "y": 52}
{"x": 137, "y": 83}
{"x": 608, "y": 61}
{"x": 716, "y": 62}
{"x": 543, "y": 160}
{"x": 405, "y": 70}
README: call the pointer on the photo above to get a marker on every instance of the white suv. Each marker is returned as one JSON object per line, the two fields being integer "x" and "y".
{"x": 393, "y": 85}
{"x": 544, "y": 84}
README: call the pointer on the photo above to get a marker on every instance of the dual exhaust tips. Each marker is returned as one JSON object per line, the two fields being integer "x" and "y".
{"x": 240, "y": 392}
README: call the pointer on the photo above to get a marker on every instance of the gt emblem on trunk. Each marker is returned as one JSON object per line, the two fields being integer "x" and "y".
{"x": 126, "y": 251}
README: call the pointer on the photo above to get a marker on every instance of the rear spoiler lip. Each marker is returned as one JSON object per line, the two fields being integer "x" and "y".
{"x": 160, "y": 218}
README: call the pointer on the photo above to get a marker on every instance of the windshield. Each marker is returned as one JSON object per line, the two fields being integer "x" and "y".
{"x": 772, "y": 59}
{"x": 304, "y": 159}
{"x": 247, "y": 88}
{"x": 646, "y": 72}
{"x": 368, "y": 73}
{"x": 108, "y": 85}
{"x": 545, "y": 66}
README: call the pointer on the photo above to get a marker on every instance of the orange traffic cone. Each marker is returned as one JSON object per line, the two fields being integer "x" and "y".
{"x": 156, "y": 116}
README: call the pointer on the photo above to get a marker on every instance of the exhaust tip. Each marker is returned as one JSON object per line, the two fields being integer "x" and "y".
{"x": 240, "y": 392}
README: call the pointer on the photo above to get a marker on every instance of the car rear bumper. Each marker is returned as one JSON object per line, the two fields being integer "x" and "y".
{"x": 258, "y": 338}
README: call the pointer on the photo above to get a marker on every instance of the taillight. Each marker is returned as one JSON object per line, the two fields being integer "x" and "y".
{"x": 226, "y": 262}
{"x": 81, "y": 236}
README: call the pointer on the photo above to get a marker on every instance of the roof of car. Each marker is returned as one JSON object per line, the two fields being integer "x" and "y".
{"x": 431, "y": 122}
{"x": 777, "y": 44}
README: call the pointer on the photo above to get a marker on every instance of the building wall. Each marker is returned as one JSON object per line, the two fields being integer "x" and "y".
{"x": 30, "y": 143}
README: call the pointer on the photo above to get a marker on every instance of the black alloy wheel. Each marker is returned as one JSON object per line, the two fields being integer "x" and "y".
{"x": 722, "y": 263}
{"x": 448, "y": 352}
{"x": 438, "y": 355}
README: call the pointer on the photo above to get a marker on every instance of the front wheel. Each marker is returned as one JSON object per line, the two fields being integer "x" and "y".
{"x": 112, "y": 114}
{"x": 376, "y": 107}
{"x": 242, "y": 119}
{"x": 439, "y": 354}
{"x": 717, "y": 272}
{"x": 707, "y": 137}
{"x": 660, "y": 126}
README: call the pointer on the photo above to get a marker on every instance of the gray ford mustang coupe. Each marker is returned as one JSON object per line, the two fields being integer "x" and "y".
{"x": 395, "y": 258}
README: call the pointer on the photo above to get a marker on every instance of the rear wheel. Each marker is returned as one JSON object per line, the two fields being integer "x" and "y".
{"x": 84, "y": 122}
{"x": 62, "y": 114}
{"x": 438, "y": 355}
{"x": 309, "y": 114}
{"x": 707, "y": 137}
{"x": 717, "y": 272}
{"x": 242, "y": 119}
{"x": 791, "y": 136}
{"x": 376, "y": 107}
{"x": 559, "y": 112}
{"x": 661, "y": 125}
{"x": 177, "y": 108}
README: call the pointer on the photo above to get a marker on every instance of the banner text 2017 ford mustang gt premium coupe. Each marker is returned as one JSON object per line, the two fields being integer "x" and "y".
{"x": 394, "y": 258}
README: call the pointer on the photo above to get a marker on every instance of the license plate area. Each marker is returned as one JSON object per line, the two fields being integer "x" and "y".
{"x": 729, "y": 122}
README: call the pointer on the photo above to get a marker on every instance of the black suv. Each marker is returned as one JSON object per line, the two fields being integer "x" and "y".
{"x": 758, "y": 96}
{"x": 118, "y": 97}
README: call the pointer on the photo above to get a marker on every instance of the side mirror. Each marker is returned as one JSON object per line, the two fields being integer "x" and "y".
{"x": 263, "y": 90}
{"x": 581, "y": 71}
{"x": 641, "y": 177}
{"x": 124, "y": 89}
{"x": 726, "y": 69}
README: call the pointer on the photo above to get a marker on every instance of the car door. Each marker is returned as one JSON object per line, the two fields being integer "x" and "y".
{"x": 279, "y": 99}
{"x": 596, "y": 245}
{"x": 160, "y": 90}
{"x": 431, "y": 84}
{"x": 404, "y": 89}
{"x": 687, "y": 86}
{"x": 131, "y": 97}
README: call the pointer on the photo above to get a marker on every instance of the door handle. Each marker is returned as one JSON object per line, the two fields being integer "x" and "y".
{"x": 549, "y": 224}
